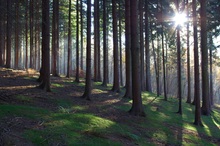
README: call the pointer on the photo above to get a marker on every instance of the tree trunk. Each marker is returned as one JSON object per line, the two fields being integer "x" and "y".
{"x": 45, "y": 72}
{"x": 204, "y": 61}
{"x": 141, "y": 44}
{"x": 9, "y": 25}
{"x": 147, "y": 50}
{"x": 198, "y": 120}
{"x": 1, "y": 34}
{"x": 137, "y": 107}
{"x": 77, "y": 41}
{"x": 69, "y": 41}
{"x": 179, "y": 92}
{"x": 105, "y": 51}
{"x": 210, "y": 75}
{"x": 88, "y": 87}
{"x": 16, "y": 34}
{"x": 31, "y": 16}
{"x": 116, "y": 87}
{"x": 188, "y": 57}
{"x": 26, "y": 35}
{"x": 81, "y": 30}
{"x": 120, "y": 45}
{"x": 128, "y": 93}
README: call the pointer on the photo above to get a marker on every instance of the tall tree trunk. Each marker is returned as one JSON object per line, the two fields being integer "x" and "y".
{"x": 45, "y": 70}
{"x": 37, "y": 36}
{"x": 141, "y": 44}
{"x": 120, "y": 45}
{"x": 210, "y": 70}
{"x": 137, "y": 107}
{"x": 87, "y": 93}
{"x": 77, "y": 41}
{"x": 105, "y": 51}
{"x": 1, "y": 33}
{"x": 16, "y": 34}
{"x": 55, "y": 39}
{"x": 9, "y": 25}
{"x": 147, "y": 50}
{"x": 204, "y": 61}
{"x": 26, "y": 35}
{"x": 81, "y": 31}
{"x": 179, "y": 92}
{"x": 69, "y": 41}
{"x": 128, "y": 85}
{"x": 188, "y": 57}
{"x": 31, "y": 15}
{"x": 197, "y": 120}
{"x": 163, "y": 53}
{"x": 116, "y": 87}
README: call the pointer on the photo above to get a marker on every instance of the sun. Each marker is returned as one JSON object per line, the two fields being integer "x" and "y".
{"x": 180, "y": 19}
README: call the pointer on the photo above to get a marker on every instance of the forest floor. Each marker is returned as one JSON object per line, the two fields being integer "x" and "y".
{"x": 31, "y": 116}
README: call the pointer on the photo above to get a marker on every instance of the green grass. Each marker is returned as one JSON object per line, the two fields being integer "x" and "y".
{"x": 76, "y": 125}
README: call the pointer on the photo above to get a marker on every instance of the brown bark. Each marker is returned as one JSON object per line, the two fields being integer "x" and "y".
{"x": 197, "y": 120}
{"x": 31, "y": 21}
{"x": 87, "y": 93}
{"x": 26, "y": 35}
{"x": 204, "y": 61}
{"x": 128, "y": 85}
{"x": 105, "y": 51}
{"x": 116, "y": 86}
{"x": 1, "y": 34}
{"x": 188, "y": 57}
{"x": 137, "y": 107}
{"x": 16, "y": 34}
{"x": 81, "y": 31}
{"x": 69, "y": 41}
{"x": 77, "y": 41}
{"x": 9, "y": 24}
{"x": 147, "y": 50}
{"x": 45, "y": 72}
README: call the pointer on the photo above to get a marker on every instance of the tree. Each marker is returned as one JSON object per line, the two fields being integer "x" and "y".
{"x": 55, "y": 39}
{"x": 26, "y": 34}
{"x": 204, "y": 61}
{"x": 116, "y": 86}
{"x": 45, "y": 69}
{"x": 188, "y": 57}
{"x": 77, "y": 41}
{"x": 88, "y": 87}
{"x": 196, "y": 69}
{"x": 105, "y": 50}
{"x": 137, "y": 107}
{"x": 1, "y": 33}
{"x": 17, "y": 41}
{"x": 69, "y": 41}
{"x": 147, "y": 50}
{"x": 81, "y": 31}
{"x": 179, "y": 92}
{"x": 9, "y": 24}
{"x": 31, "y": 25}
{"x": 128, "y": 85}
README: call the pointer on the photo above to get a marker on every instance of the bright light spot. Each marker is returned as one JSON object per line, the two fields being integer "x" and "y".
{"x": 180, "y": 19}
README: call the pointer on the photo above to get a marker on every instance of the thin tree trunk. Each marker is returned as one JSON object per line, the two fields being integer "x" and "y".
{"x": 77, "y": 41}
{"x": 69, "y": 41}
{"x": 1, "y": 33}
{"x": 26, "y": 34}
{"x": 141, "y": 44}
{"x": 105, "y": 53}
{"x": 120, "y": 46}
{"x": 9, "y": 24}
{"x": 16, "y": 34}
{"x": 31, "y": 16}
{"x": 128, "y": 93}
{"x": 210, "y": 70}
{"x": 147, "y": 50}
{"x": 179, "y": 92}
{"x": 116, "y": 87}
{"x": 188, "y": 57}
{"x": 87, "y": 93}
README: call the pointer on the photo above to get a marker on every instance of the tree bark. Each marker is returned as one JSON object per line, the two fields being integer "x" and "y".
{"x": 147, "y": 50}
{"x": 137, "y": 107}
{"x": 204, "y": 61}
{"x": 81, "y": 31}
{"x": 9, "y": 25}
{"x": 77, "y": 41}
{"x": 87, "y": 93}
{"x": 128, "y": 85}
{"x": 31, "y": 22}
{"x": 116, "y": 86}
{"x": 45, "y": 72}
{"x": 197, "y": 120}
